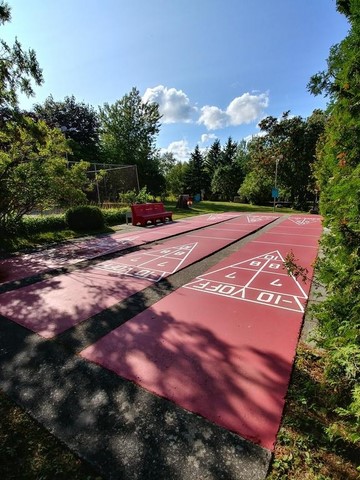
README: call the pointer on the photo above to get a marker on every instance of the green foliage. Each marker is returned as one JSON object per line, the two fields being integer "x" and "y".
{"x": 166, "y": 162}
{"x": 228, "y": 153}
{"x": 128, "y": 131}
{"x": 226, "y": 181}
{"x": 33, "y": 171}
{"x": 196, "y": 178}
{"x": 85, "y": 217}
{"x": 114, "y": 216}
{"x": 312, "y": 431}
{"x": 175, "y": 179}
{"x": 131, "y": 197}
{"x": 17, "y": 69}
{"x": 33, "y": 224}
{"x": 337, "y": 170}
{"x": 43, "y": 223}
{"x": 213, "y": 158}
{"x": 292, "y": 142}
{"x": 256, "y": 188}
{"x": 79, "y": 123}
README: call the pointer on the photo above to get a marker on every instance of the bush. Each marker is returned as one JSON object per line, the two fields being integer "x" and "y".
{"x": 114, "y": 216}
{"x": 46, "y": 223}
{"x": 85, "y": 217}
{"x": 132, "y": 196}
{"x": 31, "y": 224}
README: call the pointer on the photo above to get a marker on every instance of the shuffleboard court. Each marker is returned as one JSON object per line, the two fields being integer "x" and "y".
{"x": 52, "y": 306}
{"x": 222, "y": 345}
{"x": 22, "y": 266}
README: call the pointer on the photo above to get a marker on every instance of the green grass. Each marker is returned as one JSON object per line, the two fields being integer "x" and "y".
{"x": 29, "y": 452}
{"x": 205, "y": 207}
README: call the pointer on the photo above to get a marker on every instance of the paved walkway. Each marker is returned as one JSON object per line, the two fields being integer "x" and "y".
{"x": 120, "y": 427}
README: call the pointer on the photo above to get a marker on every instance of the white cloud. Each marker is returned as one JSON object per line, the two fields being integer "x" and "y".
{"x": 248, "y": 138}
{"x": 247, "y": 108}
{"x": 213, "y": 118}
{"x": 180, "y": 149}
{"x": 244, "y": 109}
{"x": 206, "y": 137}
{"x": 174, "y": 105}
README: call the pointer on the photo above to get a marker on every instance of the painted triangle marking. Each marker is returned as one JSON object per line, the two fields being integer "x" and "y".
{"x": 146, "y": 264}
{"x": 258, "y": 280}
{"x": 259, "y": 218}
{"x": 303, "y": 221}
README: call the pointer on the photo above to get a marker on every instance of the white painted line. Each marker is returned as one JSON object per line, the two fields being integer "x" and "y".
{"x": 189, "y": 251}
{"x": 297, "y": 234}
{"x": 213, "y": 238}
{"x": 254, "y": 301}
{"x": 290, "y": 244}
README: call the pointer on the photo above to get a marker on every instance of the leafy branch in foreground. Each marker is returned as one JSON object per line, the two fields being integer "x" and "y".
{"x": 294, "y": 269}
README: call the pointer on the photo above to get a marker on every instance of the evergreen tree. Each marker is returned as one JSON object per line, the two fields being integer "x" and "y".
{"x": 196, "y": 178}
{"x": 337, "y": 171}
{"x": 212, "y": 158}
{"x": 229, "y": 152}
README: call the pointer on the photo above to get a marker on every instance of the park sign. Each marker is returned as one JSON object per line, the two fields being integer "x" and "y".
{"x": 275, "y": 193}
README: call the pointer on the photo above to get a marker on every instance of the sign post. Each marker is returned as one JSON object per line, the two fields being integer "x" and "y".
{"x": 275, "y": 191}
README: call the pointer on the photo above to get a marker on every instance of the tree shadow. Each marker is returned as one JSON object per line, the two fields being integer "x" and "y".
{"x": 188, "y": 363}
{"x": 17, "y": 267}
{"x": 120, "y": 428}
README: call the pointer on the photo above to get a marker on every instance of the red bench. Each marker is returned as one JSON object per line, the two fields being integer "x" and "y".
{"x": 149, "y": 212}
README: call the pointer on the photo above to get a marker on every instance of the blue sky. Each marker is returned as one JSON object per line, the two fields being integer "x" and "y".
{"x": 216, "y": 67}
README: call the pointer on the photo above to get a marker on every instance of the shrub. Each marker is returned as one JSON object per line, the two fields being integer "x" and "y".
{"x": 43, "y": 223}
{"x": 131, "y": 196}
{"x": 85, "y": 217}
{"x": 31, "y": 224}
{"x": 114, "y": 216}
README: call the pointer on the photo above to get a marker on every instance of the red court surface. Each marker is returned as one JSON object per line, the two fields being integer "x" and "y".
{"x": 223, "y": 345}
{"x": 22, "y": 266}
{"x": 52, "y": 306}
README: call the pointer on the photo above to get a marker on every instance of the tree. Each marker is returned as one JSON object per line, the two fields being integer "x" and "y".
{"x": 128, "y": 132}
{"x": 242, "y": 157}
{"x": 292, "y": 140}
{"x": 18, "y": 68}
{"x": 212, "y": 158}
{"x": 175, "y": 179}
{"x": 196, "y": 179}
{"x": 33, "y": 171}
{"x": 229, "y": 152}
{"x": 226, "y": 180}
{"x": 337, "y": 171}
{"x": 256, "y": 187}
{"x": 166, "y": 162}
{"x": 79, "y": 123}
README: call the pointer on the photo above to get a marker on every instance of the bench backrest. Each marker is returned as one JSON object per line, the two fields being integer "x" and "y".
{"x": 147, "y": 208}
